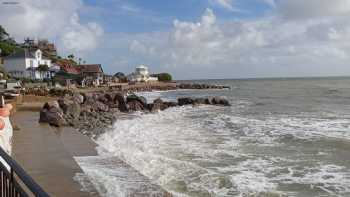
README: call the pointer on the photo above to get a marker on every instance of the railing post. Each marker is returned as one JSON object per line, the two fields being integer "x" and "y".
{"x": 12, "y": 185}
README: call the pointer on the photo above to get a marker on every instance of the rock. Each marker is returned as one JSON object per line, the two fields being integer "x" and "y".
{"x": 220, "y": 101}
{"x": 112, "y": 104}
{"x": 78, "y": 98}
{"x": 140, "y": 99}
{"x": 199, "y": 101}
{"x": 109, "y": 97}
{"x": 54, "y": 104}
{"x": 158, "y": 100}
{"x": 73, "y": 110}
{"x": 171, "y": 104}
{"x": 154, "y": 107}
{"x": 208, "y": 101}
{"x": 52, "y": 114}
{"x": 159, "y": 105}
{"x": 102, "y": 99}
{"x": 63, "y": 105}
{"x": 119, "y": 98}
{"x": 200, "y": 86}
{"x": 99, "y": 106}
{"x": 89, "y": 99}
{"x": 185, "y": 101}
{"x": 135, "y": 106}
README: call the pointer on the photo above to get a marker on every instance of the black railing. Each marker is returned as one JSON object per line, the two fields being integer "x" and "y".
{"x": 15, "y": 182}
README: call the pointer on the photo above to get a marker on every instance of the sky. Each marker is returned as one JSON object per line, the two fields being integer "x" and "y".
{"x": 193, "y": 39}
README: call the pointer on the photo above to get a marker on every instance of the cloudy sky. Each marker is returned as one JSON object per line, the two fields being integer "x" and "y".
{"x": 193, "y": 38}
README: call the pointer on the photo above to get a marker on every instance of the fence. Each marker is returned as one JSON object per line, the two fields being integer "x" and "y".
{"x": 15, "y": 182}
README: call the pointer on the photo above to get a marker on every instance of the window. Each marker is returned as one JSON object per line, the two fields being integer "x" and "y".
{"x": 31, "y": 63}
{"x": 38, "y": 55}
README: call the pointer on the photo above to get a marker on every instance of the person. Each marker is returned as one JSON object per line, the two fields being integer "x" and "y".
{"x": 6, "y": 131}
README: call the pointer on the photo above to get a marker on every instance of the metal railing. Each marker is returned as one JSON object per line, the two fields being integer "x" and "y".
{"x": 14, "y": 181}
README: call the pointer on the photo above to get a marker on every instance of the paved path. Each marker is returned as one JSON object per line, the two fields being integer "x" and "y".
{"x": 38, "y": 148}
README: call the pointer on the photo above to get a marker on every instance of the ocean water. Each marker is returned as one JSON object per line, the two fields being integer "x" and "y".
{"x": 281, "y": 137}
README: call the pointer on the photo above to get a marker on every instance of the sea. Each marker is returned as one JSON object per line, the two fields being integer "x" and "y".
{"x": 280, "y": 137}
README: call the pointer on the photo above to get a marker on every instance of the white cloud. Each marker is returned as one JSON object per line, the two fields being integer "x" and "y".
{"x": 56, "y": 20}
{"x": 265, "y": 44}
{"x": 302, "y": 9}
{"x": 226, "y": 4}
{"x": 78, "y": 37}
{"x": 271, "y": 3}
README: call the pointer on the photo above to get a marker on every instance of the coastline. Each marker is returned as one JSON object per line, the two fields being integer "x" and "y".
{"x": 53, "y": 155}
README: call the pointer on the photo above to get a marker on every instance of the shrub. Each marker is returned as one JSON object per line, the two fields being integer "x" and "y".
{"x": 164, "y": 77}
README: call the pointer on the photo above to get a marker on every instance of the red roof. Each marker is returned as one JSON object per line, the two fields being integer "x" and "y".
{"x": 91, "y": 68}
{"x": 68, "y": 67}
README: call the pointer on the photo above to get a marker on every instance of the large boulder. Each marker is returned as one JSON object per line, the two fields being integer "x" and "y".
{"x": 220, "y": 101}
{"x": 73, "y": 110}
{"x": 119, "y": 98}
{"x": 78, "y": 98}
{"x": 134, "y": 97}
{"x": 102, "y": 98}
{"x": 170, "y": 104}
{"x": 199, "y": 101}
{"x": 99, "y": 106}
{"x": 62, "y": 104}
{"x": 109, "y": 97}
{"x": 135, "y": 105}
{"x": 185, "y": 101}
{"x": 160, "y": 105}
{"x": 52, "y": 114}
{"x": 157, "y": 105}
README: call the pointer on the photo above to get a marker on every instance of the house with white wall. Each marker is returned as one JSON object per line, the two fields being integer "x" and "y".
{"x": 141, "y": 74}
{"x": 25, "y": 63}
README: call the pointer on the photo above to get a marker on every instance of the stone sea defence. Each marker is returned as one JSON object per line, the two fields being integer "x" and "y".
{"x": 139, "y": 87}
{"x": 92, "y": 113}
{"x": 199, "y": 86}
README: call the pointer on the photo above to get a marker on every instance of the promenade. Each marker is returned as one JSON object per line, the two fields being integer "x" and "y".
{"x": 46, "y": 153}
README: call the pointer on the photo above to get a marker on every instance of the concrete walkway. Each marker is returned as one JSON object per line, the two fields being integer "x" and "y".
{"x": 46, "y": 153}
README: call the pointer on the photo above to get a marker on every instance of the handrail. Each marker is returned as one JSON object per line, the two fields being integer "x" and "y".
{"x": 21, "y": 174}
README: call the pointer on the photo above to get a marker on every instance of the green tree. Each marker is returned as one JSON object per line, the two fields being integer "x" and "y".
{"x": 43, "y": 68}
{"x": 7, "y": 49}
{"x": 164, "y": 77}
{"x": 3, "y": 34}
{"x": 7, "y": 44}
{"x": 121, "y": 76}
{"x": 71, "y": 57}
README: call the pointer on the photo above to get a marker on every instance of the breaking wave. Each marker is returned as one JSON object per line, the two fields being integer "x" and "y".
{"x": 214, "y": 151}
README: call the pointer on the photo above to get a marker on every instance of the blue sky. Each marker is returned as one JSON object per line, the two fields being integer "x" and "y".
{"x": 194, "y": 38}
{"x": 137, "y": 16}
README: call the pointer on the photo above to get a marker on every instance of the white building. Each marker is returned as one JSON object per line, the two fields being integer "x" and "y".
{"x": 141, "y": 74}
{"x": 25, "y": 63}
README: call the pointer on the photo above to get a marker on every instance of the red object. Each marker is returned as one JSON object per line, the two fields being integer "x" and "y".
{"x": 2, "y": 124}
{"x": 68, "y": 67}
{"x": 4, "y": 112}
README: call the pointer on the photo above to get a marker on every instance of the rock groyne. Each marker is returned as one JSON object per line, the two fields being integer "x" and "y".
{"x": 92, "y": 113}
